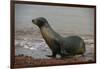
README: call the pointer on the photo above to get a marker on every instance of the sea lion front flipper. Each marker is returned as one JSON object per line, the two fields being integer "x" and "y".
{"x": 55, "y": 48}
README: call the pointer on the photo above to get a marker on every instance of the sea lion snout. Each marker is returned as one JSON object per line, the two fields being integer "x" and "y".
{"x": 33, "y": 20}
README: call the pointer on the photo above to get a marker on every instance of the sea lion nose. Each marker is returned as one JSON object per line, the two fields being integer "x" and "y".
{"x": 32, "y": 20}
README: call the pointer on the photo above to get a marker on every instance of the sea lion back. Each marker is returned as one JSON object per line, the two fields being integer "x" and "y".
{"x": 73, "y": 45}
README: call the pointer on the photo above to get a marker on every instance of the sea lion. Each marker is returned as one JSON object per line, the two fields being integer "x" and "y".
{"x": 68, "y": 46}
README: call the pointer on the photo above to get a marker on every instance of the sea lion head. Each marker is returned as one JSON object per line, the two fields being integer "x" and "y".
{"x": 40, "y": 21}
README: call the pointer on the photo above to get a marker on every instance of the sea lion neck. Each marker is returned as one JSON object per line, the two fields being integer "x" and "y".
{"x": 47, "y": 31}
